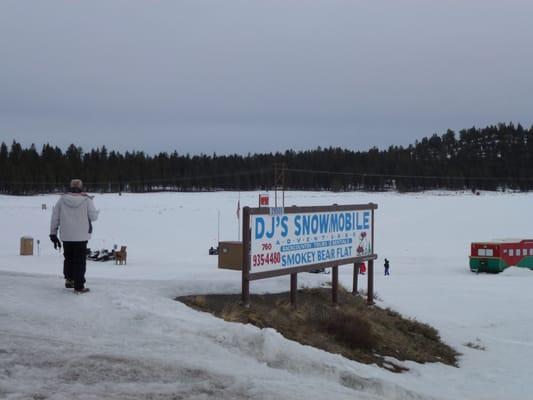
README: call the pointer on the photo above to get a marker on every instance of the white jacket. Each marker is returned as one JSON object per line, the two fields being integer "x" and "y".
{"x": 71, "y": 215}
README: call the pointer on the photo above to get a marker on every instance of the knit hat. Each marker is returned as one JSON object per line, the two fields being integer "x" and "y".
{"x": 76, "y": 183}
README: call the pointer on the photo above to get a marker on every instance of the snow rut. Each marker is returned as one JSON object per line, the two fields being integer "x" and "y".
{"x": 30, "y": 370}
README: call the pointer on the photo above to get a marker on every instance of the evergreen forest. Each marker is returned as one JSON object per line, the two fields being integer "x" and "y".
{"x": 497, "y": 157}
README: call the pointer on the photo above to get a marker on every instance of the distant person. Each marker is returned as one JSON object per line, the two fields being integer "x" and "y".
{"x": 72, "y": 215}
{"x": 387, "y": 266}
{"x": 362, "y": 268}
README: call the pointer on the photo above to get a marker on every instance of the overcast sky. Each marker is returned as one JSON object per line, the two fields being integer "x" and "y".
{"x": 259, "y": 76}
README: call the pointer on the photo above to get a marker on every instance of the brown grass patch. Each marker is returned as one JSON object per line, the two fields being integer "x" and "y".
{"x": 353, "y": 329}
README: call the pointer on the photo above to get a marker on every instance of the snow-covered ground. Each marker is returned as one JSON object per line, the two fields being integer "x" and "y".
{"x": 128, "y": 338}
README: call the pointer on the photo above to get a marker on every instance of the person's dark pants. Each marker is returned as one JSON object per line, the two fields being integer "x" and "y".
{"x": 75, "y": 261}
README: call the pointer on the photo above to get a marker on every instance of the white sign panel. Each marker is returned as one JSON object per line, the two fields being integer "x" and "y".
{"x": 298, "y": 239}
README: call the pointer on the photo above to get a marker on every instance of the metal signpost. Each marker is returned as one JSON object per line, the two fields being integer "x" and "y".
{"x": 285, "y": 241}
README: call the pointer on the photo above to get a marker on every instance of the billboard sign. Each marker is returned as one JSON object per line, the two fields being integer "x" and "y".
{"x": 301, "y": 238}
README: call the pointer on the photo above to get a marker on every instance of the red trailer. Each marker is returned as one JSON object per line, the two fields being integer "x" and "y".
{"x": 497, "y": 255}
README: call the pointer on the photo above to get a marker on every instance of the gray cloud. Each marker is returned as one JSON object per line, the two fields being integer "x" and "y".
{"x": 253, "y": 76}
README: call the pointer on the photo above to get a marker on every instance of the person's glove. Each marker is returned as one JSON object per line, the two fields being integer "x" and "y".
{"x": 55, "y": 241}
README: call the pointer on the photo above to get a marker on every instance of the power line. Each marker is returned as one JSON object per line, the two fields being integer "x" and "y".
{"x": 176, "y": 180}
{"x": 170, "y": 180}
{"x": 364, "y": 174}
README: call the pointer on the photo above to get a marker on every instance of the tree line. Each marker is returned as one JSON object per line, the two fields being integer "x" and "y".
{"x": 497, "y": 157}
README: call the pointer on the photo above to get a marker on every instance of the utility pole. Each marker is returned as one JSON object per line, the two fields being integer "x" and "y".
{"x": 279, "y": 182}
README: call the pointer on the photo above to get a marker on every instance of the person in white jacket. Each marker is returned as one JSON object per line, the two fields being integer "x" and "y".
{"x": 73, "y": 215}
